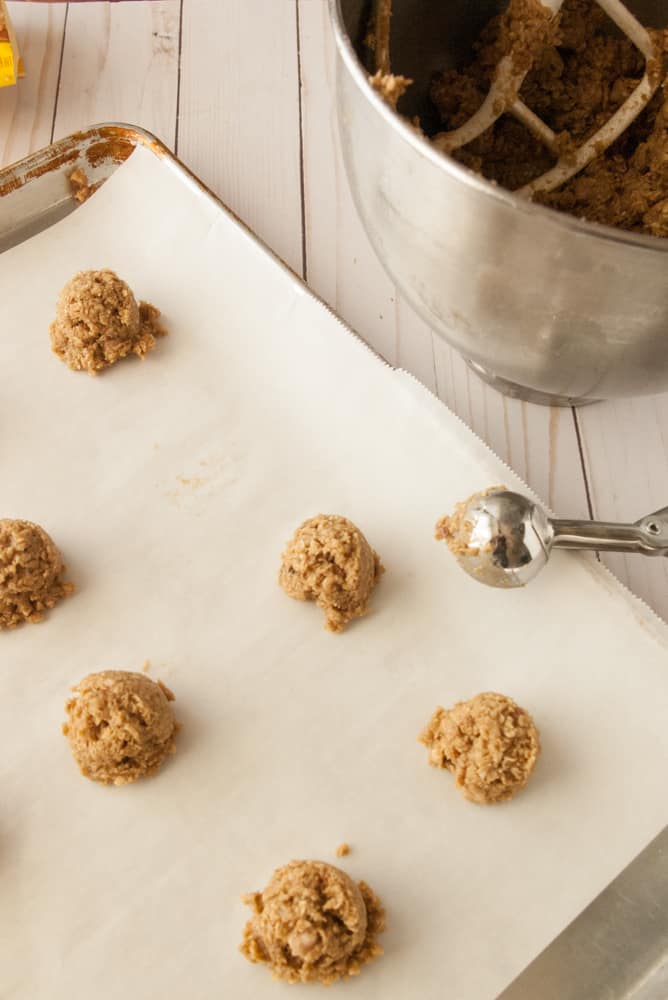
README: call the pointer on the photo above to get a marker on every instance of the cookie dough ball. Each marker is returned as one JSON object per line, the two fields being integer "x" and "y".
{"x": 488, "y": 742}
{"x": 120, "y": 726}
{"x": 313, "y": 924}
{"x": 328, "y": 560}
{"x": 98, "y": 322}
{"x": 31, "y": 570}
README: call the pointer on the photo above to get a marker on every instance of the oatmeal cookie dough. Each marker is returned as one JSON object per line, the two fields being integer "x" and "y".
{"x": 389, "y": 86}
{"x": 312, "y": 923}
{"x": 582, "y": 71}
{"x": 489, "y": 743}
{"x": 120, "y": 726}
{"x": 80, "y": 186}
{"x": 98, "y": 322}
{"x": 455, "y": 530}
{"x": 31, "y": 572}
{"x": 328, "y": 560}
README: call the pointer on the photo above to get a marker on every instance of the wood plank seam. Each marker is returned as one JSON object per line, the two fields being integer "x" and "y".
{"x": 578, "y": 436}
{"x": 302, "y": 193}
{"x": 178, "y": 80}
{"x": 433, "y": 364}
{"x": 60, "y": 73}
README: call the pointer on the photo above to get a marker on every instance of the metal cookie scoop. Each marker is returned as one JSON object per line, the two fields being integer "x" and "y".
{"x": 503, "y": 539}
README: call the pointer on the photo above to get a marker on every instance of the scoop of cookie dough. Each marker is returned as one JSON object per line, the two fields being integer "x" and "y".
{"x": 328, "y": 560}
{"x": 455, "y": 529}
{"x": 313, "y": 924}
{"x": 98, "y": 322}
{"x": 488, "y": 742}
{"x": 120, "y": 726}
{"x": 31, "y": 570}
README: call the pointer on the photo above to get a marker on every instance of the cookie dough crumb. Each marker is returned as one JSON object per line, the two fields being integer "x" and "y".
{"x": 146, "y": 666}
{"x": 98, "y": 322}
{"x": 342, "y": 850}
{"x": 31, "y": 571}
{"x": 120, "y": 726}
{"x": 488, "y": 742}
{"x": 389, "y": 86}
{"x": 312, "y": 923}
{"x": 80, "y": 187}
{"x": 455, "y": 530}
{"x": 328, "y": 560}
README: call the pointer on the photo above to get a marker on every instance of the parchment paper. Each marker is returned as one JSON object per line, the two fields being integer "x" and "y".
{"x": 171, "y": 486}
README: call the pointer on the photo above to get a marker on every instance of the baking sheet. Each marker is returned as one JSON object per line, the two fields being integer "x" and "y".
{"x": 171, "y": 487}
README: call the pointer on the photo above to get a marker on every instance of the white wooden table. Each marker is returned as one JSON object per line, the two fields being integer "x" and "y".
{"x": 243, "y": 91}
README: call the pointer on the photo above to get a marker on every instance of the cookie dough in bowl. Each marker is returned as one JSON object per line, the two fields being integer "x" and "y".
{"x": 489, "y": 743}
{"x": 31, "y": 572}
{"x": 312, "y": 923}
{"x": 120, "y": 726}
{"x": 99, "y": 321}
{"x": 328, "y": 560}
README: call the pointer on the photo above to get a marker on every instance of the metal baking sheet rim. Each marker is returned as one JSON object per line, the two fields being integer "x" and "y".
{"x": 617, "y": 948}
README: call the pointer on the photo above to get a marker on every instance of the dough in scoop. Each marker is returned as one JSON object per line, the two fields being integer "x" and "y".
{"x": 328, "y": 560}
{"x": 313, "y": 924}
{"x": 120, "y": 726}
{"x": 488, "y": 742}
{"x": 31, "y": 570}
{"x": 98, "y": 322}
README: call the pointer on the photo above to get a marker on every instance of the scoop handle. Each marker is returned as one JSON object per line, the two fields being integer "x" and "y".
{"x": 648, "y": 536}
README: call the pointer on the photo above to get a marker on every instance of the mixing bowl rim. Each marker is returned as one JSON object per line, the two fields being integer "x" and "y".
{"x": 424, "y": 148}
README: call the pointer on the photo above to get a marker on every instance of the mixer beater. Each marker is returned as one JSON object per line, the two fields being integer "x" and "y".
{"x": 503, "y": 95}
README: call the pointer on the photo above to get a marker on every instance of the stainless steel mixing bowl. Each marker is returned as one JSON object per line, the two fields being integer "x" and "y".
{"x": 544, "y": 306}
